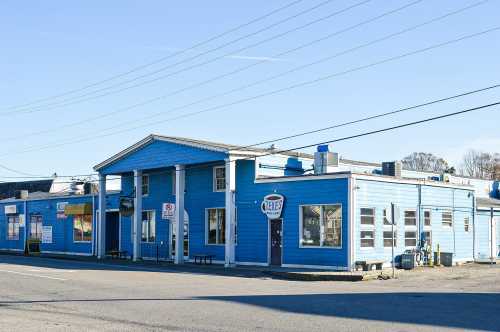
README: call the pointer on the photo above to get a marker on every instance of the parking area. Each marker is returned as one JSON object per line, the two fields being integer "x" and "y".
{"x": 44, "y": 293}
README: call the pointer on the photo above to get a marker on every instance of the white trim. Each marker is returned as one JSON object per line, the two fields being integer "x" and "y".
{"x": 319, "y": 267}
{"x": 214, "y": 179}
{"x": 303, "y": 178}
{"x": 12, "y": 249}
{"x": 301, "y": 246}
{"x": 206, "y": 226}
{"x": 352, "y": 225}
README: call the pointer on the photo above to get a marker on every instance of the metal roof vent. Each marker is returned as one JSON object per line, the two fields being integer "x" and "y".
{"x": 392, "y": 168}
{"x": 323, "y": 159}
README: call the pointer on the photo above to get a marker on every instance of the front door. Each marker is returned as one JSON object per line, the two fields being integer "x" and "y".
{"x": 112, "y": 231}
{"x": 276, "y": 228}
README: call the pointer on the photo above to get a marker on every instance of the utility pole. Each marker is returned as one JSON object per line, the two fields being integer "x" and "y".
{"x": 392, "y": 241}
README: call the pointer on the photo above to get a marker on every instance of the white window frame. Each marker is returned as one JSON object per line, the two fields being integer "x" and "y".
{"x": 321, "y": 226}
{"x": 404, "y": 218}
{"x": 40, "y": 221}
{"x": 411, "y": 230}
{"x": 428, "y": 230}
{"x": 217, "y": 230}
{"x": 385, "y": 230}
{"x": 430, "y": 217}
{"x": 17, "y": 235}
{"x": 145, "y": 183}
{"x": 368, "y": 227}
{"x": 214, "y": 179}
{"x": 153, "y": 211}
{"x": 446, "y": 224}
{"x": 91, "y": 230}
{"x": 386, "y": 217}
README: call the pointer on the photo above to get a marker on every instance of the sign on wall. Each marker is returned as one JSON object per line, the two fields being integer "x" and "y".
{"x": 272, "y": 205}
{"x": 10, "y": 209}
{"x": 60, "y": 210}
{"x": 168, "y": 211}
{"x": 47, "y": 234}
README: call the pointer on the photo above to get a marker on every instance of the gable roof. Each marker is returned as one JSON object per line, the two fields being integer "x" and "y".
{"x": 196, "y": 143}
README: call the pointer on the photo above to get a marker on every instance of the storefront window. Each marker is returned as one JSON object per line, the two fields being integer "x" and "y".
{"x": 82, "y": 228}
{"x": 216, "y": 226}
{"x": 148, "y": 226}
{"x": 321, "y": 226}
{"x": 13, "y": 228}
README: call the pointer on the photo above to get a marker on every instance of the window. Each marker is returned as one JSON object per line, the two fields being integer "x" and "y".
{"x": 216, "y": 226}
{"x": 82, "y": 228}
{"x": 321, "y": 226}
{"x": 447, "y": 219}
{"x": 148, "y": 226}
{"x": 410, "y": 218}
{"x": 427, "y": 218}
{"x": 36, "y": 227}
{"x": 387, "y": 217}
{"x": 367, "y": 239}
{"x": 466, "y": 224}
{"x": 219, "y": 178}
{"x": 388, "y": 239}
{"x": 367, "y": 216}
{"x": 428, "y": 237}
{"x": 411, "y": 239}
{"x": 145, "y": 185}
{"x": 13, "y": 228}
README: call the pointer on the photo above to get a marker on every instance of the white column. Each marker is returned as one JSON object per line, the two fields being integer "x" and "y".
{"x": 101, "y": 223}
{"x": 137, "y": 227}
{"x": 180, "y": 178}
{"x": 230, "y": 211}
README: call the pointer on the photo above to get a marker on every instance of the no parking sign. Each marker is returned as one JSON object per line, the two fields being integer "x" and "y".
{"x": 168, "y": 211}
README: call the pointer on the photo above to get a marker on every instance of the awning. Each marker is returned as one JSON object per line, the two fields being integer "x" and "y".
{"x": 73, "y": 209}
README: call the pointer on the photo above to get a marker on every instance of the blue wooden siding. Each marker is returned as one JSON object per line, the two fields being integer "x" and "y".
{"x": 253, "y": 225}
{"x": 160, "y": 154}
{"x": 379, "y": 195}
{"x": 5, "y": 243}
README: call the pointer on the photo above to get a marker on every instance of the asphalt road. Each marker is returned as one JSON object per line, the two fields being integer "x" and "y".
{"x": 42, "y": 294}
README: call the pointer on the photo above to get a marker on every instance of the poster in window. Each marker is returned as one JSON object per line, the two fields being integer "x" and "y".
{"x": 60, "y": 210}
{"x": 47, "y": 234}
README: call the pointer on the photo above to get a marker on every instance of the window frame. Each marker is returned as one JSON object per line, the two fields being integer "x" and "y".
{"x": 372, "y": 230}
{"x": 153, "y": 212}
{"x": 430, "y": 218}
{"x": 39, "y": 220}
{"x": 214, "y": 178}
{"x": 446, "y": 224}
{"x": 91, "y": 229}
{"x": 389, "y": 230}
{"x": 368, "y": 227}
{"x": 411, "y": 238}
{"x": 16, "y": 236}
{"x": 404, "y": 218}
{"x": 430, "y": 235}
{"x": 361, "y": 215}
{"x": 145, "y": 183}
{"x": 321, "y": 226}
{"x": 217, "y": 230}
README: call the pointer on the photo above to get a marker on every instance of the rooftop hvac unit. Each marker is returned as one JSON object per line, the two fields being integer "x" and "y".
{"x": 392, "y": 168}
{"x": 324, "y": 159}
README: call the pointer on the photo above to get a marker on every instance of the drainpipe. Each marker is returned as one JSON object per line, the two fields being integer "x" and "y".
{"x": 419, "y": 208}
{"x": 25, "y": 210}
{"x": 94, "y": 228}
{"x": 453, "y": 225}
{"x": 473, "y": 226}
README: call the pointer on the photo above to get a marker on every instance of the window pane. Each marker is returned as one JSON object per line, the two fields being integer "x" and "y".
{"x": 221, "y": 216}
{"x": 410, "y": 218}
{"x": 145, "y": 184}
{"x": 388, "y": 238}
{"x": 428, "y": 237}
{"x": 77, "y": 228}
{"x": 311, "y": 233}
{"x": 212, "y": 226}
{"x": 367, "y": 216}
{"x": 447, "y": 218}
{"x": 410, "y": 239}
{"x": 152, "y": 227}
{"x": 367, "y": 239}
{"x": 87, "y": 228}
{"x": 144, "y": 227}
{"x": 220, "y": 178}
{"x": 427, "y": 218}
{"x": 387, "y": 217}
{"x": 332, "y": 225}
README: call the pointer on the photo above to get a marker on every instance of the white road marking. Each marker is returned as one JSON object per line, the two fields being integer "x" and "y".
{"x": 52, "y": 270}
{"x": 33, "y": 275}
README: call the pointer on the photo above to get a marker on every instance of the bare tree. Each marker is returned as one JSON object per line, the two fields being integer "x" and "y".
{"x": 480, "y": 164}
{"x": 422, "y": 161}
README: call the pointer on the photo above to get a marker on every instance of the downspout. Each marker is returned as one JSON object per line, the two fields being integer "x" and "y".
{"x": 419, "y": 208}
{"x": 94, "y": 233}
{"x": 453, "y": 225}
{"x": 473, "y": 226}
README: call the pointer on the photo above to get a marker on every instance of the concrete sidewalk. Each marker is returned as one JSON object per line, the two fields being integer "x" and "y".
{"x": 218, "y": 269}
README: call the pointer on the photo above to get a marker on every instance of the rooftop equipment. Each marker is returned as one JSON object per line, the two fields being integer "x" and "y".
{"x": 392, "y": 168}
{"x": 323, "y": 159}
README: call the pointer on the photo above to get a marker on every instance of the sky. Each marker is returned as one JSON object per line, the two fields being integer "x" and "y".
{"x": 51, "y": 48}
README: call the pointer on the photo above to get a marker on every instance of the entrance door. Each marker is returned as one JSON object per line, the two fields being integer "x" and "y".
{"x": 173, "y": 232}
{"x": 112, "y": 231}
{"x": 276, "y": 235}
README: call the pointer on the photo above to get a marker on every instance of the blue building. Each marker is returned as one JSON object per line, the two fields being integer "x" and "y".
{"x": 249, "y": 206}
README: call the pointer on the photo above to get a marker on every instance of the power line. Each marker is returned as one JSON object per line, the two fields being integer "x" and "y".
{"x": 358, "y": 121}
{"x": 88, "y": 96}
{"x": 159, "y": 60}
{"x": 273, "y": 92}
{"x": 241, "y": 69}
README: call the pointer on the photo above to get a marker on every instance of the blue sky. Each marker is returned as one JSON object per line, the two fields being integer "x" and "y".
{"x": 49, "y": 47}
